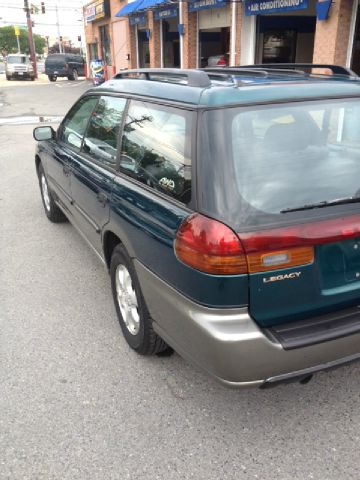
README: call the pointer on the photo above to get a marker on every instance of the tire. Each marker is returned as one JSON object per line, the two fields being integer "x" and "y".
{"x": 8, "y": 77}
{"x": 32, "y": 78}
{"x": 74, "y": 75}
{"x": 52, "y": 211}
{"x": 52, "y": 78}
{"x": 140, "y": 335}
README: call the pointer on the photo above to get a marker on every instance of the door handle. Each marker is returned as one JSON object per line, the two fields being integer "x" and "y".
{"x": 66, "y": 170}
{"x": 102, "y": 198}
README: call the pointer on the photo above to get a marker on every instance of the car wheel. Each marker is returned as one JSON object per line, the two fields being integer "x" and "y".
{"x": 52, "y": 211}
{"x": 75, "y": 75}
{"x": 32, "y": 78}
{"x": 8, "y": 77}
{"x": 52, "y": 78}
{"x": 133, "y": 315}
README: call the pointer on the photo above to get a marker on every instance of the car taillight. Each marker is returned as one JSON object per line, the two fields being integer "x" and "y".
{"x": 221, "y": 62}
{"x": 209, "y": 246}
{"x": 212, "y": 247}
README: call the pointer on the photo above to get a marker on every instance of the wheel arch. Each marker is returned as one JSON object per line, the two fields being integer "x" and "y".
{"x": 37, "y": 163}
{"x": 110, "y": 240}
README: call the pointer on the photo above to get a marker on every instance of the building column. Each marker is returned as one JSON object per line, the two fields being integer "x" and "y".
{"x": 332, "y": 35}
{"x": 154, "y": 41}
{"x": 190, "y": 37}
{"x": 133, "y": 46}
{"x": 235, "y": 50}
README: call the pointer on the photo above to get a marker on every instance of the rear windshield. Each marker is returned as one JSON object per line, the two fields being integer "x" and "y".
{"x": 269, "y": 159}
{"x": 55, "y": 59}
{"x": 17, "y": 59}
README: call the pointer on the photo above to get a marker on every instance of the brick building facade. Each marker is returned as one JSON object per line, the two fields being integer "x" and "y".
{"x": 197, "y": 33}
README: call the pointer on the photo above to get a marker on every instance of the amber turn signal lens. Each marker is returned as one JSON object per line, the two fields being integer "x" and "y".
{"x": 292, "y": 257}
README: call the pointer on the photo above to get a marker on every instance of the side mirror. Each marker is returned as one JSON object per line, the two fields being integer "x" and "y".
{"x": 44, "y": 133}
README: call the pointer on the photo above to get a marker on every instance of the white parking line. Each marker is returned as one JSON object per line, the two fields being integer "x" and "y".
{"x": 28, "y": 120}
{"x": 69, "y": 85}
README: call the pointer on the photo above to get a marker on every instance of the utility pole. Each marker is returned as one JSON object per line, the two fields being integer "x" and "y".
{"x": 58, "y": 29}
{"x": 31, "y": 41}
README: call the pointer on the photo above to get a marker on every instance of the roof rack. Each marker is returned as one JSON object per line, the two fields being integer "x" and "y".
{"x": 335, "y": 69}
{"x": 257, "y": 70}
{"x": 194, "y": 78}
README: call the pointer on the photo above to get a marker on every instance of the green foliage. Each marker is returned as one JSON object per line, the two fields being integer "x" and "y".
{"x": 8, "y": 43}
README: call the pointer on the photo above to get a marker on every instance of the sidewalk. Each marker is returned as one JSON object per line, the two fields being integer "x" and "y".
{"x": 43, "y": 79}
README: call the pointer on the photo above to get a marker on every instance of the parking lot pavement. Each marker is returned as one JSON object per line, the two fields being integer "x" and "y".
{"x": 77, "y": 403}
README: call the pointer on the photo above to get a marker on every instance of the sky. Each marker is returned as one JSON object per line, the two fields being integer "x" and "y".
{"x": 70, "y": 17}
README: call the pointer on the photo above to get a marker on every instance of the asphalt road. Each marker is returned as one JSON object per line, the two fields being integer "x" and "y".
{"x": 77, "y": 403}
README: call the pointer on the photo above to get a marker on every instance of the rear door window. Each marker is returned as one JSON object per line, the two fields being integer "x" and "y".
{"x": 156, "y": 148}
{"x": 101, "y": 138}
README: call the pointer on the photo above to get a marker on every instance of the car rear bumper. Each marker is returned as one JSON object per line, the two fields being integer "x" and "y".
{"x": 229, "y": 345}
{"x": 20, "y": 74}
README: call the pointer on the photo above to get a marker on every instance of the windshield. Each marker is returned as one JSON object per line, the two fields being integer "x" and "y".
{"x": 17, "y": 59}
{"x": 283, "y": 157}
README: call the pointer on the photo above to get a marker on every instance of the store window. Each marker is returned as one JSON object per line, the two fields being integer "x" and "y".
{"x": 105, "y": 44}
{"x": 285, "y": 38}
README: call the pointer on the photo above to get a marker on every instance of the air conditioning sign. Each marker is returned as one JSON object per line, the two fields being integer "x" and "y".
{"x": 263, "y": 7}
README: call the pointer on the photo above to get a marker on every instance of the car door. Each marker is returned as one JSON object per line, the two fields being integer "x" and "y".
{"x": 94, "y": 169}
{"x": 69, "y": 139}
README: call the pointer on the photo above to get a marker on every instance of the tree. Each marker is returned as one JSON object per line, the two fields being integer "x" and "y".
{"x": 8, "y": 43}
{"x": 66, "y": 49}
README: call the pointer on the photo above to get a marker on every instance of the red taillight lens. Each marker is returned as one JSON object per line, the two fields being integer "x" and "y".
{"x": 209, "y": 246}
{"x": 221, "y": 62}
{"x": 212, "y": 247}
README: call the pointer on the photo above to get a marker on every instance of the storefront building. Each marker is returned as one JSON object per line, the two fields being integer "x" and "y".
{"x": 200, "y": 33}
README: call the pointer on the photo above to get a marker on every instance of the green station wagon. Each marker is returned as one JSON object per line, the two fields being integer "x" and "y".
{"x": 225, "y": 204}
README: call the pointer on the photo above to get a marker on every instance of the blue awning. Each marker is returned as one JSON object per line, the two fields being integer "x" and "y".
{"x": 139, "y": 5}
{"x": 129, "y": 8}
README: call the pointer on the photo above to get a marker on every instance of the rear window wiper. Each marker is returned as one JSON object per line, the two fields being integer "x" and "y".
{"x": 324, "y": 203}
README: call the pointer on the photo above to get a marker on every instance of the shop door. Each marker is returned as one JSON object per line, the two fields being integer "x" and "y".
{"x": 171, "y": 42}
{"x": 144, "y": 51}
{"x": 356, "y": 49}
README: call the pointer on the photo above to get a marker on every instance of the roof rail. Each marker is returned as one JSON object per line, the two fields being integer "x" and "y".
{"x": 195, "y": 78}
{"x": 263, "y": 72}
{"x": 335, "y": 69}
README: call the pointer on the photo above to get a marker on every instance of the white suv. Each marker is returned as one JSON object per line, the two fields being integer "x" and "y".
{"x": 19, "y": 66}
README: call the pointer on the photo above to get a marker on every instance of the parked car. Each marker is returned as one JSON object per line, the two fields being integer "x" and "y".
{"x": 64, "y": 65}
{"x": 227, "y": 213}
{"x": 218, "y": 60}
{"x": 19, "y": 66}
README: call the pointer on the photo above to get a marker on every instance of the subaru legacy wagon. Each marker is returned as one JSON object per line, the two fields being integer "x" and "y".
{"x": 225, "y": 204}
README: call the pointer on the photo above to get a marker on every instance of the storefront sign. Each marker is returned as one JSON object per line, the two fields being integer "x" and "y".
{"x": 96, "y": 10}
{"x": 166, "y": 13}
{"x": 137, "y": 19}
{"x": 196, "y": 5}
{"x": 322, "y": 9}
{"x": 262, "y": 7}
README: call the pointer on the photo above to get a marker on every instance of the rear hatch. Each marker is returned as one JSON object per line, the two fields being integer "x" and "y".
{"x": 286, "y": 178}
{"x": 55, "y": 64}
